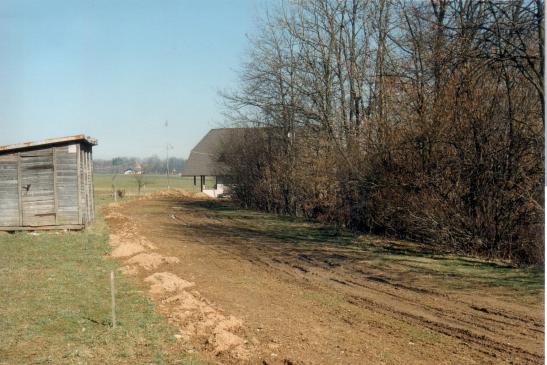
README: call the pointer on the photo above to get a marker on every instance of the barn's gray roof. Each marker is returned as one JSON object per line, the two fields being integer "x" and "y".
{"x": 204, "y": 157}
{"x": 51, "y": 141}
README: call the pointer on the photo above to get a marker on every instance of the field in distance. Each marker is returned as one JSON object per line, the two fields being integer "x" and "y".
{"x": 129, "y": 183}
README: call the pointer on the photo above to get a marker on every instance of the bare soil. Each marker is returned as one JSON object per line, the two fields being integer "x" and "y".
{"x": 243, "y": 292}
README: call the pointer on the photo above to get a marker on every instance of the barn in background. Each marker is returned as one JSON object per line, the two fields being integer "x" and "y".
{"x": 205, "y": 160}
{"x": 47, "y": 184}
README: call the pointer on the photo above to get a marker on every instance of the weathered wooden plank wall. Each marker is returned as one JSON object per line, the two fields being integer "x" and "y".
{"x": 67, "y": 184}
{"x": 47, "y": 187}
{"x": 9, "y": 191}
{"x": 88, "y": 184}
{"x": 91, "y": 185}
{"x": 37, "y": 192}
{"x": 83, "y": 192}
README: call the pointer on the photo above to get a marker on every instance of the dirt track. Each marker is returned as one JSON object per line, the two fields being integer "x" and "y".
{"x": 241, "y": 294}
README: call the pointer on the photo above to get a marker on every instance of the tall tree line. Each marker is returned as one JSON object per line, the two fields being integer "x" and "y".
{"x": 423, "y": 120}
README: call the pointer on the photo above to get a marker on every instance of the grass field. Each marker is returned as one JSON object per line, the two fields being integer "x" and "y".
{"x": 103, "y": 184}
{"x": 56, "y": 305}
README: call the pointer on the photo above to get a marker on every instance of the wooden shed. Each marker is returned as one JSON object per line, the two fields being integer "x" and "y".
{"x": 47, "y": 184}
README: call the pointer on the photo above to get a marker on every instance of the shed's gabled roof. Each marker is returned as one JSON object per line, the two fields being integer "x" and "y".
{"x": 204, "y": 157}
{"x": 51, "y": 141}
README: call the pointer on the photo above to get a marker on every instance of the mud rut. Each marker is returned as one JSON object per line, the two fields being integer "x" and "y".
{"x": 467, "y": 327}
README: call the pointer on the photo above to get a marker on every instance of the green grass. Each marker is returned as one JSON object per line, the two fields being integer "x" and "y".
{"x": 465, "y": 273}
{"x": 103, "y": 184}
{"x": 55, "y": 307}
{"x": 56, "y": 296}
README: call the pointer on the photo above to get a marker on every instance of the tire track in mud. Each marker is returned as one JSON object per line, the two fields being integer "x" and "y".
{"x": 446, "y": 324}
{"x": 449, "y": 317}
{"x": 473, "y": 325}
{"x": 477, "y": 313}
{"x": 481, "y": 342}
{"x": 383, "y": 287}
{"x": 441, "y": 311}
{"x": 441, "y": 301}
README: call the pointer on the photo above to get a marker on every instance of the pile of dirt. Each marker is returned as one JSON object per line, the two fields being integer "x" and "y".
{"x": 178, "y": 194}
{"x": 127, "y": 243}
{"x": 200, "y": 320}
{"x": 117, "y": 240}
{"x": 127, "y": 249}
{"x": 144, "y": 242}
{"x": 115, "y": 215}
{"x": 129, "y": 270}
{"x": 173, "y": 193}
{"x": 125, "y": 227}
{"x": 162, "y": 282}
{"x": 150, "y": 261}
{"x": 114, "y": 239}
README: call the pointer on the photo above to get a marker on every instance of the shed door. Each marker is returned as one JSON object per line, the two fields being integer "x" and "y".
{"x": 37, "y": 191}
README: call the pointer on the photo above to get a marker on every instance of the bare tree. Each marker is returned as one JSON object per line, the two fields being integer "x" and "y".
{"x": 422, "y": 120}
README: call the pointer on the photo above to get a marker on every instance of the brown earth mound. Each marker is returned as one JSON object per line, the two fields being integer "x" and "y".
{"x": 198, "y": 319}
{"x": 127, "y": 249}
{"x": 150, "y": 261}
{"x": 162, "y": 282}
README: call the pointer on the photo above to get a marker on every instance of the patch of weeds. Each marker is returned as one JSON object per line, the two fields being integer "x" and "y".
{"x": 455, "y": 272}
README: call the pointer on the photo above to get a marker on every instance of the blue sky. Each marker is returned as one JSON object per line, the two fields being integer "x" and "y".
{"x": 118, "y": 69}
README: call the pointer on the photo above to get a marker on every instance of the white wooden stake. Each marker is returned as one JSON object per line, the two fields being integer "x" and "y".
{"x": 112, "y": 292}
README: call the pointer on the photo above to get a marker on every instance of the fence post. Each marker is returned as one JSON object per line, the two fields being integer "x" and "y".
{"x": 113, "y": 294}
